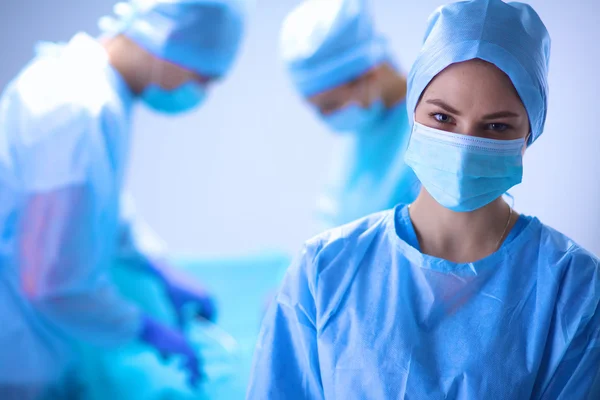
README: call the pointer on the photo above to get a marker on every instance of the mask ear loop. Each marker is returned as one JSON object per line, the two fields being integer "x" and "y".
{"x": 414, "y": 123}
{"x": 507, "y": 194}
{"x": 512, "y": 199}
{"x": 412, "y": 131}
{"x": 526, "y": 143}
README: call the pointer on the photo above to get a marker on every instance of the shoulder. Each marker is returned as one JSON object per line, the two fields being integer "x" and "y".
{"x": 559, "y": 249}
{"x": 350, "y": 237}
{"x": 575, "y": 269}
{"x": 319, "y": 252}
{"x": 53, "y": 92}
{"x": 42, "y": 104}
{"x": 49, "y": 120}
{"x": 327, "y": 264}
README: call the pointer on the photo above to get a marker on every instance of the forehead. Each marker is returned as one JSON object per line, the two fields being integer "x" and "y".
{"x": 475, "y": 82}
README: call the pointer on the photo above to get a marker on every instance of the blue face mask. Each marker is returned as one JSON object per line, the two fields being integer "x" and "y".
{"x": 184, "y": 98}
{"x": 354, "y": 118}
{"x": 464, "y": 173}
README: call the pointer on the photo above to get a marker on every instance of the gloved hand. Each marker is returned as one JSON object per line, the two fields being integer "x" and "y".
{"x": 182, "y": 290}
{"x": 168, "y": 341}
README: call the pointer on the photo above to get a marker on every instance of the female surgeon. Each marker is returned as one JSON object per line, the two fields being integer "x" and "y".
{"x": 456, "y": 296}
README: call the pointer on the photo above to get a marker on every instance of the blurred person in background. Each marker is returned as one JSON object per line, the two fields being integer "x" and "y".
{"x": 64, "y": 146}
{"x": 344, "y": 70}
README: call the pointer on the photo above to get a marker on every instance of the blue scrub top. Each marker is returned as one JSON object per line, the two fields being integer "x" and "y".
{"x": 64, "y": 147}
{"x": 363, "y": 314}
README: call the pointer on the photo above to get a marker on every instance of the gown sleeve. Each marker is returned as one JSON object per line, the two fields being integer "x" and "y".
{"x": 286, "y": 360}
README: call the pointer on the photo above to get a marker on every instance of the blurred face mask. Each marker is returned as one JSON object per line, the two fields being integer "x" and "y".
{"x": 354, "y": 118}
{"x": 186, "y": 97}
{"x": 464, "y": 173}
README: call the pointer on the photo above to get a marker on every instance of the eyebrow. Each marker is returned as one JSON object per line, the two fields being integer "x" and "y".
{"x": 452, "y": 110}
{"x": 445, "y": 106}
{"x": 501, "y": 114}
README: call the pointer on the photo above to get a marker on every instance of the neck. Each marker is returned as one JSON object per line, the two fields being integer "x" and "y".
{"x": 393, "y": 85}
{"x": 130, "y": 60}
{"x": 460, "y": 237}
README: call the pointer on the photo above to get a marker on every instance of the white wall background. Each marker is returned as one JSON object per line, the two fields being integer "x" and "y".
{"x": 242, "y": 173}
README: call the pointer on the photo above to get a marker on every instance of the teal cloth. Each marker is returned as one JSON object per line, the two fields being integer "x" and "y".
{"x": 241, "y": 286}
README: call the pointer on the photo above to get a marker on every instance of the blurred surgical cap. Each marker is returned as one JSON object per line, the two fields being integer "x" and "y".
{"x": 509, "y": 35}
{"x": 326, "y": 43}
{"x": 201, "y": 35}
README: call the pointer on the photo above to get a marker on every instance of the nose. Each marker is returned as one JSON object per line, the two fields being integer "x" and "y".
{"x": 471, "y": 129}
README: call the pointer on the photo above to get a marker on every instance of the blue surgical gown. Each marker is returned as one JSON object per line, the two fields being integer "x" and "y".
{"x": 64, "y": 145}
{"x": 368, "y": 173}
{"x": 363, "y": 314}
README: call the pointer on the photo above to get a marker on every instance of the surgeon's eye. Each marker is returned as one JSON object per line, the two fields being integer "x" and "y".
{"x": 441, "y": 118}
{"x": 497, "y": 127}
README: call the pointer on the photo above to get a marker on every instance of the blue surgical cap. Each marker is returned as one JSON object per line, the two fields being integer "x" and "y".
{"x": 201, "y": 35}
{"x": 328, "y": 43}
{"x": 509, "y": 35}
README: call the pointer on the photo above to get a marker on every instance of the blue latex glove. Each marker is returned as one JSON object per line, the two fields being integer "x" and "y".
{"x": 170, "y": 342}
{"x": 182, "y": 290}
